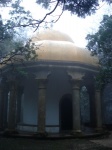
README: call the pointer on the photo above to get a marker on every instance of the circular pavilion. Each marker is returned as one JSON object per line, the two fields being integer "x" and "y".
{"x": 48, "y": 98}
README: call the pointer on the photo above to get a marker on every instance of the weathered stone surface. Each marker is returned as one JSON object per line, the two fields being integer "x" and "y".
{"x": 12, "y": 106}
{"x": 41, "y": 104}
{"x": 76, "y": 105}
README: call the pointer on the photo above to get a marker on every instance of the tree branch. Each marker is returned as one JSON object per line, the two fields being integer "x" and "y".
{"x": 48, "y": 14}
{"x": 37, "y": 23}
{"x": 60, "y": 14}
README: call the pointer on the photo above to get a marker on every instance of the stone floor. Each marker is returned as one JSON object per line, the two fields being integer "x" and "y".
{"x": 107, "y": 141}
{"x": 30, "y": 143}
{"x": 65, "y": 144}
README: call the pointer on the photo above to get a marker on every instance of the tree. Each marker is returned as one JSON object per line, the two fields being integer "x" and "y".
{"x": 100, "y": 44}
{"x": 12, "y": 51}
{"x": 4, "y": 2}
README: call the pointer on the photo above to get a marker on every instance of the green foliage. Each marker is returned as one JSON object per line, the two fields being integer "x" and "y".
{"x": 6, "y": 38}
{"x": 19, "y": 17}
{"x": 100, "y": 44}
{"x": 22, "y": 53}
{"x": 4, "y": 2}
{"x": 78, "y": 7}
{"x": 11, "y": 49}
{"x": 45, "y": 3}
{"x": 14, "y": 51}
{"x": 23, "y": 18}
{"x": 27, "y": 51}
{"x": 81, "y": 7}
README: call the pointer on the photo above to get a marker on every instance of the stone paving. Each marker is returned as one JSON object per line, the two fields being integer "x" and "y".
{"x": 107, "y": 142}
{"x": 34, "y": 144}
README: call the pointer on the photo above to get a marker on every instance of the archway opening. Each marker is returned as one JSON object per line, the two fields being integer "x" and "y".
{"x": 66, "y": 114}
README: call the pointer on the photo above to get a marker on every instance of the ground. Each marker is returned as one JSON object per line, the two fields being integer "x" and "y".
{"x": 63, "y": 144}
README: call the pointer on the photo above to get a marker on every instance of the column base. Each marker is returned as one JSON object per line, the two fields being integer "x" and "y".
{"x": 99, "y": 129}
{"x": 9, "y": 132}
{"x": 1, "y": 129}
{"x": 76, "y": 132}
{"x": 41, "y": 134}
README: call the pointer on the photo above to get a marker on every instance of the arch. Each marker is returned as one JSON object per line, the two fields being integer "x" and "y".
{"x": 65, "y": 113}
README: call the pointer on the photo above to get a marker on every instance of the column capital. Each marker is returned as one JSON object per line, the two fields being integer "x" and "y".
{"x": 42, "y": 83}
{"x": 3, "y": 84}
{"x": 75, "y": 75}
{"x": 75, "y": 84}
{"x": 76, "y": 78}
{"x": 97, "y": 90}
{"x": 42, "y": 75}
{"x": 12, "y": 85}
{"x": 42, "y": 78}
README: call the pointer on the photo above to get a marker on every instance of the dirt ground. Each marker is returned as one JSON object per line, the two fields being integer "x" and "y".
{"x": 107, "y": 141}
{"x": 65, "y": 144}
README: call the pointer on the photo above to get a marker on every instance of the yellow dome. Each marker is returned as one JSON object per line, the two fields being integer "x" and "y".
{"x": 51, "y": 35}
{"x": 61, "y": 48}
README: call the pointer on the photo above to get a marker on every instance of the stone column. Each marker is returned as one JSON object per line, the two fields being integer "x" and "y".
{"x": 76, "y": 78}
{"x": 98, "y": 110}
{"x": 41, "y": 105}
{"x": 3, "y": 103}
{"x": 1, "y": 107}
{"x": 91, "y": 93}
{"x": 5, "y": 111}
{"x": 12, "y": 106}
{"x": 19, "y": 97}
{"x": 76, "y": 106}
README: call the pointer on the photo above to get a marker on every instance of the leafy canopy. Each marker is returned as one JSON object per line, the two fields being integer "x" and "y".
{"x": 100, "y": 44}
{"x": 78, "y": 7}
{"x": 23, "y": 17}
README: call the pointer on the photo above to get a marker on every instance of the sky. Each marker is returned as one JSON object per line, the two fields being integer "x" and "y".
{"x": 77, "y": 28}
